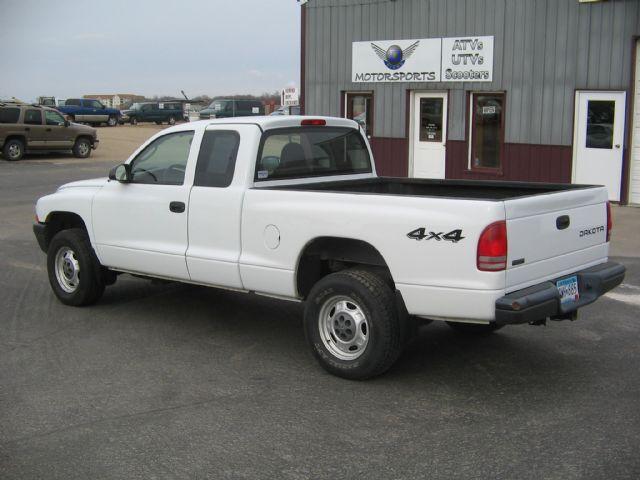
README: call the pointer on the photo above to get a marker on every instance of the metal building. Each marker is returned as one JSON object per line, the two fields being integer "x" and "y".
{"x": 532, "y": 90}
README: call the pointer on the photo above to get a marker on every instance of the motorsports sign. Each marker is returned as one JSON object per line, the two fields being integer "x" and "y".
{"x": 456, "y": 59}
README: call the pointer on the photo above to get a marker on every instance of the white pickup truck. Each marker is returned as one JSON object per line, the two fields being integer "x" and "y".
{"x": 291, "y": 207}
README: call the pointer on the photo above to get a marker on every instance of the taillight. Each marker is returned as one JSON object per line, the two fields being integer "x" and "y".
{"x": 609, "y": 221}
{"x": 492, "y": 248}
{"x": 313, "y": 121}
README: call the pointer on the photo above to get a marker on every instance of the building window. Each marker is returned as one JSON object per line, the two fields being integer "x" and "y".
{"x": 487, "y": 131}
{"x": 359, "y": 107}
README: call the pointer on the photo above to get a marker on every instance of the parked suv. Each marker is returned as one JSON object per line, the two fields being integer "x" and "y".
{"x": 232, "y": 108}
{"x": 26, "y": 128}
{"x": 89, "y": 110}
{"x": 157, "y": 112}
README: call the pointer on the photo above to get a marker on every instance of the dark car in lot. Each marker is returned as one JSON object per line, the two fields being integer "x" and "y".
{"x": 28, "y": 128}
{"x": 89, "y": 110}
{"x": 232, "y": 108}
{"x": 158, "y": 112}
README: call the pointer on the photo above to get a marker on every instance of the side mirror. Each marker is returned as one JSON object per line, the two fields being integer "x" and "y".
{"x": 67, "y": 123}
{"x": 121, "y": 173}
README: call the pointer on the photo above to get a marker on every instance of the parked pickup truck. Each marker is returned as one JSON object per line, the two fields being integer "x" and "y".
{"x": 291, "y": 207}
{"x": 89, "y": 110}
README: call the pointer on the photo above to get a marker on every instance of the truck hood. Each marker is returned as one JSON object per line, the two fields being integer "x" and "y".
{"x": 91, "y": 183}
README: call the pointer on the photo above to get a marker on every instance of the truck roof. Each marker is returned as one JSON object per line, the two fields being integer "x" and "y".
{"x": 268, "y": 122}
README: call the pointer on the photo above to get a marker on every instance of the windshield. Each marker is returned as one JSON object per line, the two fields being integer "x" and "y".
{"x": 311, "y": 152}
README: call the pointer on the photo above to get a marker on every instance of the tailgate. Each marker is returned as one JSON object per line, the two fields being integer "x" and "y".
{"x": 553, "y": 234}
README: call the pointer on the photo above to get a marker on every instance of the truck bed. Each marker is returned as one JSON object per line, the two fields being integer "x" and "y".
{"x": 463, "y": 189}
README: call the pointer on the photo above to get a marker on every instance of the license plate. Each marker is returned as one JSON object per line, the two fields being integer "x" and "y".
{"x": 568, "y": 288}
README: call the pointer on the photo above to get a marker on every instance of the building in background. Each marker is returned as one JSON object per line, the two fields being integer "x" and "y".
{"x": 117, "y": 100}
{"x": 529, "y": 90}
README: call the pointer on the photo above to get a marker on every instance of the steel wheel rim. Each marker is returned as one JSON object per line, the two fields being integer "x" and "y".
{"x": 111, "y": 122}
{"x": 83, "y": 148}
{"x": 343, "y": 327}
{"x": 14, "y": 151}
{"x": 67, "y": 270}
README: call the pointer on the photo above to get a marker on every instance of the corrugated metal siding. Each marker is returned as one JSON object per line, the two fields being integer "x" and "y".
{"x": 543, "y": 51}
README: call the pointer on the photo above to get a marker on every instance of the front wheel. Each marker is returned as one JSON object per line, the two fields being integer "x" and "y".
{"x": 74, "y": 272}
{"x": 13, "y": 150}
{"x": 474, "y": 328}
{"x": 134, "y": 121}
{"x": 352, "y": 324}
{"x": 82, "y": 148}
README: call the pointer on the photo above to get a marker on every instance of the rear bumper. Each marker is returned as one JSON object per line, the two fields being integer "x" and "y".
{"x": 542, "y": 301}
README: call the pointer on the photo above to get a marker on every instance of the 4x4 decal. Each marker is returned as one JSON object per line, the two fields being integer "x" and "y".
{"x": 453, "y": 236}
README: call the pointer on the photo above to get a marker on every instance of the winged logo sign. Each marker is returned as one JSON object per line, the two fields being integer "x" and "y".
{"x": 394, "y": 57}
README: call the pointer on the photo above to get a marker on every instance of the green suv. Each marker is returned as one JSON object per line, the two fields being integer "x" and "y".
{"x": 29, "y": 128}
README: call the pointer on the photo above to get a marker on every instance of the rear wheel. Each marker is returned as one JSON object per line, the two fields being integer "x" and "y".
{"x": 352, "y": 324}
{"x": 158, "y": 122}
{"x": 82, "y": 148}
{"x": 134, "y": 121}
{"x": 172, "y": 121}
{"x": 112, "y": 121}
{"x": 13, "y": 150}
{"x": 474, "y": 328}
{"x": 74, "y": 272}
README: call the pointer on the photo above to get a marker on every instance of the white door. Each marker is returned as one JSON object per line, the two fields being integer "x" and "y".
{"x": 141, "y": 226}
{"x": 599, "y": 140}
{"x": 429, "y": 132}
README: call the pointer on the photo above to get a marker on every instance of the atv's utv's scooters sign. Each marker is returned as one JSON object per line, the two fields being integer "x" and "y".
{"x": 457, "y": 59}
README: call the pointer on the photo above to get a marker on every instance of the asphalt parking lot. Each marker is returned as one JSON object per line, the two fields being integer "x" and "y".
{"x": 178, "y": 381}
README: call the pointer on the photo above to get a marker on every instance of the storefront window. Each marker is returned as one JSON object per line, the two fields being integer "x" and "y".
{"x": 487, "y": 122}
{"x": 360, "y": 109}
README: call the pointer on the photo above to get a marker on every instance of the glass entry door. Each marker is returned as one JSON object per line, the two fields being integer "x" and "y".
{"x": 599, "y": 140}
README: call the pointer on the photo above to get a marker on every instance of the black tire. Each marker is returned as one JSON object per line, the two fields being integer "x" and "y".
{"x": 89, "y": 284}
{"x": 376, "y": 301}
{"x": 112, "y": 121}
{"x": 474, "y": 328}
{"x": 134, "y": 121}
{"x": 13, "y": 150}
{"x": 171, "y": 121}
{"x": 158, "y": 122}
{"x": 82, "y": 148}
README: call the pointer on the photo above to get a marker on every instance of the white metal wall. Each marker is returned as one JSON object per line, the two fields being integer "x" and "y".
{"x": 634, "y": 179}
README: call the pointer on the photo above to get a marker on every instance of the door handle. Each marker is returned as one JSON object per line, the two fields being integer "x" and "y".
{"x": 176, "y": 207}
{"x": 617, "y": 146}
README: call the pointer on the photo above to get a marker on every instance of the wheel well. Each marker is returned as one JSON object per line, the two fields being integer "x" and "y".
{"x": 16, "y": 137}
{"x": 325, "y": 255}
{"x": 84, "y": 136}
{"x": 58, "y": 221}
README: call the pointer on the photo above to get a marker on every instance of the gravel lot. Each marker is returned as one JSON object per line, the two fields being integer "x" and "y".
{"x": 177, "y": 381}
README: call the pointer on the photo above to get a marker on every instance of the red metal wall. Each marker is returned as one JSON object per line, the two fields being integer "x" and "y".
{"x": 521, "y": 162}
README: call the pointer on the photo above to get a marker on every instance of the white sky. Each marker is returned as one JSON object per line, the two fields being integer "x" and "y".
{"x": 68, "y": 48}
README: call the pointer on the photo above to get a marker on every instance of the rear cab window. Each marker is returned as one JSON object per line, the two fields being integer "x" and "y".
{"x": 311, "y": 152}
{"x": 9, "y": 115}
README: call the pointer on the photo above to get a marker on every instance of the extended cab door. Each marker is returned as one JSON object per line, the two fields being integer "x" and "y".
{"x": 215, "y": 204}
{"x": 142, "y": 226}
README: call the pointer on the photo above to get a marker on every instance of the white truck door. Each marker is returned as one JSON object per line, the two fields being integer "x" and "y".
{"x": 141, "y": 226}
{"x": 215, "y": 203}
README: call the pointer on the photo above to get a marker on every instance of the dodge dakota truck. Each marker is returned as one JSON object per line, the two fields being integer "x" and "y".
{"x": 90, "y": 111}
{"x": 291, "y": 207}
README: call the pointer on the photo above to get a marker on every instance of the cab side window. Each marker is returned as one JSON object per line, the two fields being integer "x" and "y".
{"x": 164, "y": 161}
{"x": 33, "y": 117}
{"x": 217, "y": 158}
